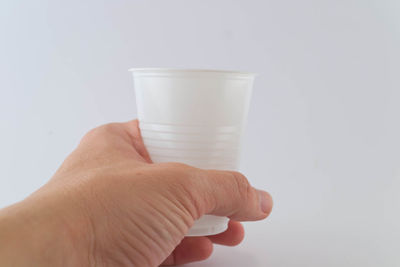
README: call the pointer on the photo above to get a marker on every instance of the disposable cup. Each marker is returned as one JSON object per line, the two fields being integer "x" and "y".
{"x": 195, "y": 117}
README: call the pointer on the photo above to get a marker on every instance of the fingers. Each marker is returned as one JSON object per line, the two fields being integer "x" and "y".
{"x": 228, "y": 193}
{"x": 190, "y": 249}
{"x": 200, "y": 248}
{"x": 231, "y": 237}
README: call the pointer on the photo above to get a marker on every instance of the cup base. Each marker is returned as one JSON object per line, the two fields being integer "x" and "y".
{"x": 208, "y": 225}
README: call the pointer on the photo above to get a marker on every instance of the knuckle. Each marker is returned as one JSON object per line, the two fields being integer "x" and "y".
{"x": 183, "y": 182}
{"x": 108, "y": 128}
{"x": 100, "y": 131}
{"x": 181, "y": 174}
{"x": 243, "y": 187}
{"x": 178, "y": 169}
{"x": 90, "y": 133}
{"x": 178, "y": 166}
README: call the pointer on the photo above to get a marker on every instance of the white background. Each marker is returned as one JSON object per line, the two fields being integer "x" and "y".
{"x": 324, "y": 127}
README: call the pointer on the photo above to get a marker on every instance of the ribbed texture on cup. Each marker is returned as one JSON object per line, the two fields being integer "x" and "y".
{"x": 215, "y": 147}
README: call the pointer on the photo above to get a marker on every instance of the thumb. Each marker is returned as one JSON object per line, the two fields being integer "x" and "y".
{"x": 229, "y": 193}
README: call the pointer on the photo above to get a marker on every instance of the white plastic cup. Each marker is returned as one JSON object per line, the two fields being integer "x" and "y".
{"x": 195, "y": 117}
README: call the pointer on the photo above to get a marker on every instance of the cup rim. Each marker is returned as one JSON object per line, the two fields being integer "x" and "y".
{"x": 182, "y": 70}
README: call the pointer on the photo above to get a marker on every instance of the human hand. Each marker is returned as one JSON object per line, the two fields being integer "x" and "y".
{"x": 108, "y": 205}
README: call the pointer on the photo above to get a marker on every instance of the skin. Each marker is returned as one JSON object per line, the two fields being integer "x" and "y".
{"x": 109, "y": 205}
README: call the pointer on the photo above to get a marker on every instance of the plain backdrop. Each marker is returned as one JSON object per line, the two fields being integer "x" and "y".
{"x": 323, "y": 134}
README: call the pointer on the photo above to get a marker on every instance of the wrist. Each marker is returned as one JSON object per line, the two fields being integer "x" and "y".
{"x": 34, "y": 233}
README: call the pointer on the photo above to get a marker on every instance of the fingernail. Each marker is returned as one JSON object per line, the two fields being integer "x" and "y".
{"x": 265, "y": 201}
